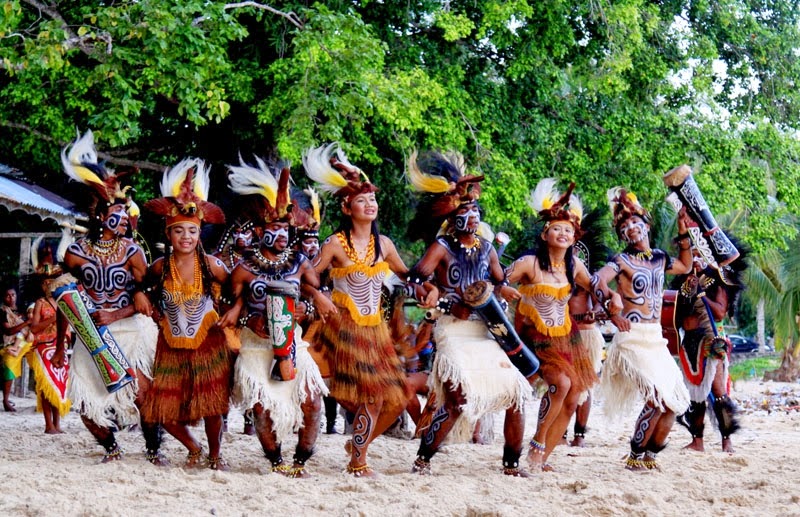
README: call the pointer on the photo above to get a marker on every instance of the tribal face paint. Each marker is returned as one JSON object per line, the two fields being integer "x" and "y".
{"x": 117, "y": 221}
{"x": 634, "y": 230}
{"x": 462, "y": 219}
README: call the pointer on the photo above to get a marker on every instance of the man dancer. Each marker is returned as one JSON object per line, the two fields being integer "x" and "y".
{"x": 111, "y": 268}
{"x": 11, "y": 322}
{"x": 711, "y": 292}
{"x": 638, "y": 359}
{"x": 471, "y": 375}
{"x": 285, "y": 397}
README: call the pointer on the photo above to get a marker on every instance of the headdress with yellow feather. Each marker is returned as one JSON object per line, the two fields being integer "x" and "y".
{"x": 554, "y": 206}
{"x": 443, "y": 175}
{"x": 624, "y": 205}
{"x": 330, "y": 169}
{"x": 307, "y": 215}
{"x": 185, "y": 195}
{"x": 79, "y": 160}
{"x": 271, "y": 194}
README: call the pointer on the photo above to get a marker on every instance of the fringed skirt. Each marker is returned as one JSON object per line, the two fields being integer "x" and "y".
{"x": 189, "y": 384}
{"x": 562, "y": 355}
{"x": 136, "y": 337}
{"x": 51, "y": 382}
{"x": 364, "y": 363}
{"x": 252, "y": 383}
{"x": 699, "y": 365}
{"x": 470, "y": 360}
{"x": 638, "y": 364}
{"x": 594, "y": 343}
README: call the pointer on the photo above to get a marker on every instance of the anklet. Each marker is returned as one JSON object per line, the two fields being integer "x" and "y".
{"x": 114, "y": 453}
{"x": 282, "y": 469}
{"x": 193, "y": 458}
{"x": 217, "y": 463}
{"x": 359, "y": 471}
{"x": 536, "y": 447}
{"x": 421, "y": 466}
{"x": 635, "y": 461}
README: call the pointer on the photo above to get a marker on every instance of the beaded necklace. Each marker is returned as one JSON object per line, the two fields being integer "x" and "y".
{"x": 353, "y": 254}
{"x": 274, "y": 269}
{"x": 642, "y": 255}
{"x": 185, "y": 292}
{"x": 104, "y": 249}
{"x": 471, "y": 248}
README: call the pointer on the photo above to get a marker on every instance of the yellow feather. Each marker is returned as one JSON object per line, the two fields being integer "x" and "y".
{"x": 422, "y": 182}
{"x": 314, "y": 199}
{"x": 317, "y": 163}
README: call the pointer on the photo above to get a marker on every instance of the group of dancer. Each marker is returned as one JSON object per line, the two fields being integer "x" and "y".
{"x": 201, "y": 332}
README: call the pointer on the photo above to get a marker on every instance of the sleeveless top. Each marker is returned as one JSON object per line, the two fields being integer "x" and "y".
{"x": 189, "y": 312}
{"x": 357, "y": 288}
{"x": 546, "y": 305}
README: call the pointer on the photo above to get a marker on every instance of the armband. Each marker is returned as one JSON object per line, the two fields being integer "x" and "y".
{"x": 444, "y": 305}
{"x": 310, "y": 309}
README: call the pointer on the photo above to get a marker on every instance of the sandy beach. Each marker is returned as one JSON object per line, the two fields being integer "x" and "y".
{"x": 61, "y": 474}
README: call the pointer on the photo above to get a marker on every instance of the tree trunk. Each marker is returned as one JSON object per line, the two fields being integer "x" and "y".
{"x": 789, "y": 370}
{"x": 761, "y": 337}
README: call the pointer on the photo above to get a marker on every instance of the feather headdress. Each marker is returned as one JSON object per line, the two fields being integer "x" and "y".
{"x": 554, "y": 206}
{"x": 330, "y": 169}
{"x": 79, "y": 160}
{"x": 624, "y": 205}
{"x": 307, "y": 217}
{"x": 259, "y": 181}
{"x": 443, "y": 175}
{"x": 185, "y": 189}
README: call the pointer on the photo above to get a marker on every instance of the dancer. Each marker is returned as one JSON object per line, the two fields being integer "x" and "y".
{"x": 711, "y": 293}
{"x": 111, "y": 268}
{"x": 355, "y": 333}
{"x": 546, "y": 281}
{"x": 274, "y": 373}
{"x": 638, "y": 362}
{"x": 592, "y": 251}
{"x": 191, "y": 374}
{"x": 51, "y": 382}
{"x": 471, "y": 374}
{"x": 11, "y": 353}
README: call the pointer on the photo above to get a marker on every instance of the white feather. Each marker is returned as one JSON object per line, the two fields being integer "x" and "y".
{"x": 202, "y": 180}
{"x": 317, "y": 163}
{"x": 245, "y": 179}
{"x": 173, "y": 178}
{"x": 545, "y": 191}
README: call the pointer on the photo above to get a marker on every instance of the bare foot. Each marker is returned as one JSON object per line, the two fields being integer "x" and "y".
{"x": 577, "y": 441}
{"x": 546, "y": 467}
{"x": 697, "y": 445}
{"x": 9, "y": 406}
{"x": 299, "y": 471}
{"x": 51, "y": 430}
{"x": 249, "y": 429}
{"x": 727, "y": 446}
{"x": 516, "y": 472}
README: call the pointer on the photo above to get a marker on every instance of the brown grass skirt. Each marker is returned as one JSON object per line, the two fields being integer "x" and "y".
{"x": 189, "y": 384}
{"x": 566, "y": 354}
{"x": 363, "y": 360}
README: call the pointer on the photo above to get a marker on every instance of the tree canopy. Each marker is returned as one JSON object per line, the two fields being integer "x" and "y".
{"x": 600, "y": 93}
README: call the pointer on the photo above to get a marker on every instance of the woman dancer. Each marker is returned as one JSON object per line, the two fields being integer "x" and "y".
{"x": 191, "y": 374}
{"x": 547, "y": 279}
{"x": 355, "y": 333}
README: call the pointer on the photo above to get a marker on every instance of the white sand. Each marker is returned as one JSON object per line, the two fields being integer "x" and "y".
{"x": 61, "y": 475}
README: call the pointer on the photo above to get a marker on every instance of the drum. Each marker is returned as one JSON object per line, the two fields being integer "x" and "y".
{"x": 279, "y": 320}
{"x": 480, "y": 297}
{"x": 77, "y": 307}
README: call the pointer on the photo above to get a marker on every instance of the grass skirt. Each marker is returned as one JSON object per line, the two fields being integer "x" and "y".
{"x": 51, "y": 382}
{"x": 189, "y": 384}
{"x": 638, "y": 363}
{"x": 364, "y": 362}
{"x": 594, "y": 343}
{"x": 252, "y": 383}
{"x": 137, "y": 337}
{"x": 468, "y": 357}
{"x": 562, "y": 355}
